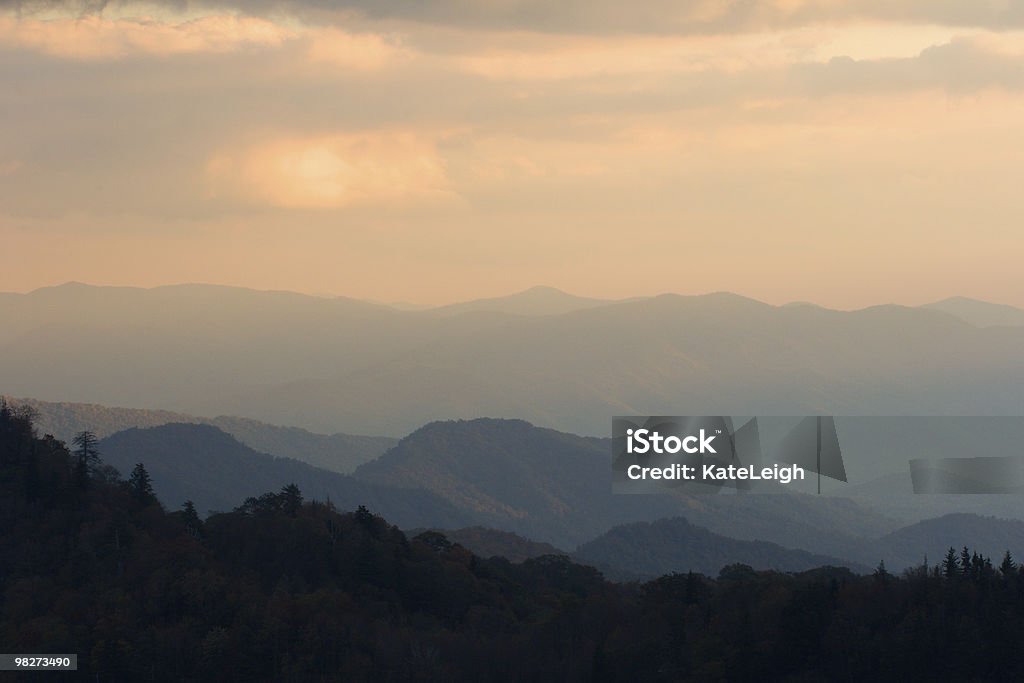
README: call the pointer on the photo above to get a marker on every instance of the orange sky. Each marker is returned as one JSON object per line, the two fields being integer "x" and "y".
{"x": 847, "y": 153}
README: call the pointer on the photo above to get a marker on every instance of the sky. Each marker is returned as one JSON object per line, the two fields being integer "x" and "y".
{"x": 843, "y": 152}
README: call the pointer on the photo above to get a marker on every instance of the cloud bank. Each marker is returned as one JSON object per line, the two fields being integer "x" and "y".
{"x": 438, "y": 150}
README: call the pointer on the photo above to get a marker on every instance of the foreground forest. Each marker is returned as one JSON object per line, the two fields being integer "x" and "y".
{"x": 283, "y": 589}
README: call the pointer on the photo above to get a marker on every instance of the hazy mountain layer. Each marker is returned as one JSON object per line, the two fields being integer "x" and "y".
{"x": 202, "y": 463}
{"x": 335, "y": 452}
{"x": 485, "y": 542}
{"x": 556, "y": 487}
{"x": 677, "y": 545}
{"x": 892, "y": 495}
{"x": 534, "y": 301}
{"x": 644, "y": 550}
{"x": 980, "y": 313}
{"x": 342, "y": 365}
{"x": 552, "y": 487}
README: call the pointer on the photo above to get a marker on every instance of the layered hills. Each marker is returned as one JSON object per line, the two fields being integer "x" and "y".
{"x": 335, "y": 452}
{"x": 333, "y": 365}
{"x": 214, "y": 470}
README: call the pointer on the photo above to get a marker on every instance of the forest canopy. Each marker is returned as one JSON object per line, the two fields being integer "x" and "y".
{"x": 288, "y": 589}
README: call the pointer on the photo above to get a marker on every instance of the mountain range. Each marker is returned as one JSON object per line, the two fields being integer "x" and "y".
{"x": 980, "y": 313}
{"x": 555, "y": 487}
{"x": 646, "y": 550}
{"x": 334, "y": 364}
{"x": 505, "y": 487}
{"x": 203, "y": 464}
{"x": 485, "y": 543}
{"x": 335, "y": 452}
{"x": 643, "y": 550}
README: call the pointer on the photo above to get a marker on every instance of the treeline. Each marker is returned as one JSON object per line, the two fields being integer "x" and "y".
{"x": 284, "y": 589}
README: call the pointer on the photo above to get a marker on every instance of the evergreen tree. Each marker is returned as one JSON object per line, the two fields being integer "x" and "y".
{"x": 141, "y": 485}
{"x": 950, "y": 564}
{"x": 193, "y": 525}
{"x": 86, "y": 449}
{"x": 965, "y": 562}
{"x": 87, "y": 457}
{"x": 363, "y": 516}
{"x": 1007, "y": 566}
{"x": 291, "y": 499}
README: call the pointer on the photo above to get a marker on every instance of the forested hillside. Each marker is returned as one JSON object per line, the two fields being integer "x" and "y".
{"x": 202, "y": 463}
{"x": 287, "y": 589}
{"x": 555, "y": 487}
{"x": 284, "y": 589}
{"x": 335, "y": 452}
{"x": 645, "y": 550}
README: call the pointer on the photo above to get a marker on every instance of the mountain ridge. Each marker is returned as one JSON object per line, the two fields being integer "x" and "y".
{"x": 337, "y": 452}
{"x": 213, "y": 469}
{"x": 979, "y": 313}
{"x": 646, "y": 550}
{"x": 327, "y": 366}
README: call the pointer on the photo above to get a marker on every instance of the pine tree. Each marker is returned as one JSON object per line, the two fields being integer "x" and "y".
{"x": 965, "y": 562}
{"x": 86, "y": 447}
{"x": 193, "y": 525}
{"x": 950, "y": 565}
{"x": 87, "y": 456}
{"x": 1008, "y": 566}
{"x": 291, "y": 499}
{"x": 141, "y": 485}
{"x": 363, "y": 516}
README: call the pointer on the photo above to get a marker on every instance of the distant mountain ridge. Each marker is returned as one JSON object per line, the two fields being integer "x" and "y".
{"x": 980, "y": 313}
{"x": 930, "y": 539}
{"x": 484, "y": 542}
{"x": 534, "y": 301}
{"x": 341, "y": 365}
{"x": 646, "y": 550}
{"x": 217, "y": 472}
{"x": 335, "y": 452}
{"x": 556, "y": 487}
{"x": 498, "y": 484}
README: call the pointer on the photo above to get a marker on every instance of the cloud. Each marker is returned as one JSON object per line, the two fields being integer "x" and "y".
{"x": 94, "y": 37}
{"x": 10, "y": 167}
{"x": 369, "y": 52}
{"x": 593, "y": 16}
{"x": 960, "y": 66}
{"x": 329, "y": 172}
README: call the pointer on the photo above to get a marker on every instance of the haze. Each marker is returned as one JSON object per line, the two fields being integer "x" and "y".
{"x": 847, "y": 153}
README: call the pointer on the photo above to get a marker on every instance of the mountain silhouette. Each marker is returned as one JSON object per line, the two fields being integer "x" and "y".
{"x": 931, "y": 538}
{"x": 533, "y": 301}
{"x": 203, "y": 464}
{"x": 644, "y": 550}
{"x": 980, "y": 313}
{"x": 334, "y": 365}
{"x": 556, "y": 487}
{"x": 335, "y": 452}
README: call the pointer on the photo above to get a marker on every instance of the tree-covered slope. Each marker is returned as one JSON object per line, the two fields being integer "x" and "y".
{"x": 336, "y": 452}
{"x": 645, "y": 550}
{"x": 282, "y": 589}
{"x": 216, "y": 471}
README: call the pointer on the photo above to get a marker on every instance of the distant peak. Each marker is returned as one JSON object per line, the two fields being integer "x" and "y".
{"x": 545, "y": 289}
{"x": 713, "y": 297}
{"x": 70, "y": 284}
